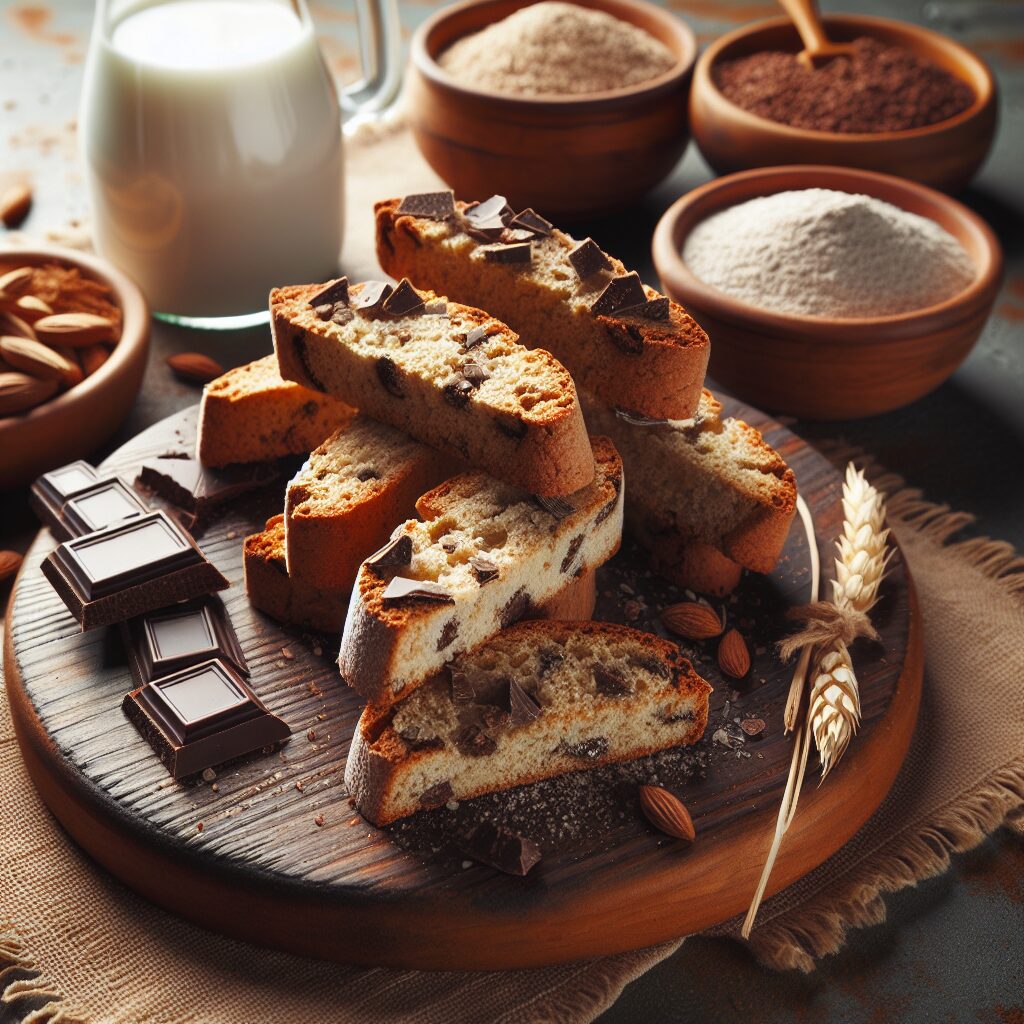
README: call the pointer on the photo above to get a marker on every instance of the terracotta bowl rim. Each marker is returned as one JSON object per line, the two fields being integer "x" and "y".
{"x": 984, "y": 95}
{"x": 134, "y": 326}
{"x": 424, "y": 62}
{"x": 678, "y": 278}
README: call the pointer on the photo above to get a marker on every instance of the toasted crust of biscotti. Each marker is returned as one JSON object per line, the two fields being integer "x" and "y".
{"x": 522, "y": 424}
{"x": 656, "y": 367}
{"x": 250, "y": 414}
{"x": 390, "y": 647}
{"x": 415, "y": 756}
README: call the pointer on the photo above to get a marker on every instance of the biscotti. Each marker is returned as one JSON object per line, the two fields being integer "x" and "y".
{"x": 620, "y": 340}
{"x": 251, "y": 415}
{"x": 706, "y": 496}
{"x": 539, "y": 700}
{"x": 349, "y": 495}
{"x": 448, "y": 375}
{"x": 283, "y": 597}
{"x": 484, "y": 554}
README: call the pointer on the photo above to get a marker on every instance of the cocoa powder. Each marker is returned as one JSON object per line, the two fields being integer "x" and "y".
{"x": 878, "y": 88}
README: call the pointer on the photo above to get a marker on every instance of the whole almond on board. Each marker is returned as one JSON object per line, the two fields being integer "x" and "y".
{"x": 15, "y": 204}
{"x": 14, "y": 282}
{"x": 19, "y": 392}
{"x": 195, "y": 367}
{"x": 30, "y": 309}
{"x": 667, "y": 813}
{"x": 39, "y": 360}
{"x": 692, "y": 620}
{"x": 12, "y": 324}
{"x": 733, "y": 656}
{"x": 93, "y": 357}
{"x": 74, "y": 329}
{"x": 10, "y": 562}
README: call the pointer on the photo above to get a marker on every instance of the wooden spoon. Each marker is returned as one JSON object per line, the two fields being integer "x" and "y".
{"x": 817, "y": 49}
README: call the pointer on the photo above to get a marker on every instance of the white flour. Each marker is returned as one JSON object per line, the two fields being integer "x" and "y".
{"x": 817, "y": 252}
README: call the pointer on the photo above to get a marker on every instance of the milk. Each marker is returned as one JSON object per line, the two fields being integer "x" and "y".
{"x": 212, "y": 138}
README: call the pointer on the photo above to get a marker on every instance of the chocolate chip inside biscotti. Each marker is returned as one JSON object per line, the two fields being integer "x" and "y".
{"x": 390, "y": 376}
{"x": 474, "y": 742}
{"x": 335, "y": 292}
{"x": 458, "y": 392}
{"x": 484, "y": 569}
{"x": 397, "y": 552}
{"x": 518, "y": 607}
{"x": 570, "y": 556}
{"x": 518, "y": 252}
{"x": 476, "y": 336}
{"x": 474, "y": 373}
{"x": 609, "y": 683}
{"x": 449, "y": 632}
{"x": 367, "y": 474}
{"x": 429, "y": 205}
{"x": 586, "y": 750}
{"x": 402, "y": 589}
{"x": 620, "y": 293}
{"x": 414, "y": 741}
{"x": 404, "y": 300}
{"x": 437, "y": 795}
{"x": 588, "y": 258}
{"x": 549, "y": 661}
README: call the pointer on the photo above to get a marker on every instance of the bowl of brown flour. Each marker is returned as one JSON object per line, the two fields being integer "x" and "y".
{"x": 572, "y": 108}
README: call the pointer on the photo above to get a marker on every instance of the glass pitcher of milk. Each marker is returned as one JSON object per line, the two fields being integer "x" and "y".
{"x": 211, "y": 134}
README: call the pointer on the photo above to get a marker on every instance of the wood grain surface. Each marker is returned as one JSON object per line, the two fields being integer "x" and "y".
{"x": 263, "y": 869}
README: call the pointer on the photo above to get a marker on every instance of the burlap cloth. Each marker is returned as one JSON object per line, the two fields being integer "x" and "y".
{"x": 98, "y": 953}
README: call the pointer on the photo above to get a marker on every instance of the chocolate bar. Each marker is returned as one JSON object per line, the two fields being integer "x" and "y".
{"x": 166, "y": 641}
{"x": 103, "y": 504}
{"x": 53, "y": 489}
{"x": 202, "y": 716}
{"x": 128, "y": 569}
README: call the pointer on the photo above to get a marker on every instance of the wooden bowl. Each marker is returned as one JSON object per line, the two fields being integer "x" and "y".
{"x": 568, "y": 157}
{"x": 77, "y": 422}
{"x": 945, "y": 155}
{"x": 829, "y": 368}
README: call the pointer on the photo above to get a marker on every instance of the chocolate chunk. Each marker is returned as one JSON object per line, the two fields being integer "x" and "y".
{"x": 324, "y": 311}
{"x": 605, "y": 512}
{"x": 518, "y": 607}
{"x": 474, "y": 373}
{"x": 493, "y": 718}
{"x": 341, "y": 315}
{"x": 550, "y": 660}
{"x": 462, "y": 691}
{"x": 512, "y": 426}
{"x": 587, "y": 259}
{"x": 484, "y": 569}
{"x": 609, "y": 683}
{"x": 587, "y": 750}
{"x": 103, "y": 504}
{"x": 449, "y": 632}
{"x": 477, "y": 335}
{"x": 371, "y": 296}
{"x": 397, "y": 552}
{"x": 437, "y": 795}
{"x": 570, "y": 556}
{"x": 367, "y": 474}
{"x": 518, "y": 252}
{"x": 558, "y": 507}
{"x": 404, "y": 300}
{"x": 510, "y": 236}
{"x": 628, "y": 338}
{"x": 402, "y": 589}
{"x": 532, "y": 221}
{"x": 637, "y": 419}
{"x": 652, "y": 309}
{"x": 474, "y": 742}
{"x": 53, "y": 489}
{"x": 437, "y": 307}
{"x": 458, "y": 392}
{"x": 619, "y": 293}
{"x": 429, "y": 205}
{"x": 501, "y": 848}
{"x": 335, "y": 292}
{"x": 488, "y": 218}
{"x": 390, "y": 376}
{"x": 522, "y": 707}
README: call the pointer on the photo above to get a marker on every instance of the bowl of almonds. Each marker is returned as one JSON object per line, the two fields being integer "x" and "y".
{"x": 74, "y": 337}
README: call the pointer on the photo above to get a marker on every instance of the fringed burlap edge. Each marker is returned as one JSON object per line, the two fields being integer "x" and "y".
{"x": 15, "y": 960}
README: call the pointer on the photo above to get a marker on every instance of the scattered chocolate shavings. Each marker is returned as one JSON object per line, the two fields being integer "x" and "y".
{"x": 484, "y": 569}
{"x": 335, "y": 292}
{"x": 532, "y": 221}
{"x": 620, "y": 293}
{"x": 429, "y": 205}
{"x": 652, "y": 309}
{"x": 609, "y": 683}
{"x": 519, "y": 252}
{"x": 404, "y": 300}
{"x": 522, "y": 707}
{"x": 558, "y": 507}
{"x": 371, "y": 295}
{"x": 500, "y": 848}
{"x": 402, "y": 589}
{"x": 637, "y": 419}
{"x": 588, "y": 258}
{"x": 437, "y": 795}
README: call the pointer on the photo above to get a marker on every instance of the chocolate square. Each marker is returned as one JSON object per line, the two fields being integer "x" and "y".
{"x": 620, "y": 293}
{"x": 404, "y": 300}
{"x": 371, "y": 296}
{"x": 588, "y": 258}
{"x": 429, "y": 205}
{"x": 517, "y": 252}
{"x": 105, "y": 503}
{"x": 532, "y": 221}
{"x": 335, "y": 292}
{"x": 52, "y": 490}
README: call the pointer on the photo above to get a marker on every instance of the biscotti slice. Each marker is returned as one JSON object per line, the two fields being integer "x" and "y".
{"x": 251, "y": 415}
{"x": 346, "y": 499}
{"x": 483, "y": 556}
{"x": 539, "y": 700}
{"x": 706, "y": 496}
{"x": 448, "y": 375}
{"x": 618, "y": 338}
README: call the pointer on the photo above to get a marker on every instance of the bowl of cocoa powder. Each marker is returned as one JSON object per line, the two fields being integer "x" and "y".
{"x": 74, "y": 338}
{"x": 905, "y": 101}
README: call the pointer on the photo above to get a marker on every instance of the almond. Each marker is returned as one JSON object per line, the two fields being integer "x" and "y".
{"x": 11, "y": 324}
{"x": 10, "y": 562}
{"x": 733, "y": 656}
{"x": 15, "y": 204}
{"x": 74, "y": 329}
{"x": 692, "y": 620}
{"x": 14, "y": 282}
{"x": 194, "y": 367}
{"x": 19, "y": 392}
{"x": 93, "y": 357}
{"x": 667, "y": 813}
{"x": 29, "y": 308}
{"x": 38, "y": 360}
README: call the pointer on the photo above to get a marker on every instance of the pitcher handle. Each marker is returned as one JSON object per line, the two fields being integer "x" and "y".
{"x": 380, "y": 52}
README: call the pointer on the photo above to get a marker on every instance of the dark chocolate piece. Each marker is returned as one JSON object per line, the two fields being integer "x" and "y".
{"x": 415, "y": 742}
{"x": 390, "y": 376}
{"x": 477, "y": 335}
{"x": 202, "y": 716}
{"x": 335, "y": 292}
{"x": 402, "y": 589}
{"x": 437, "y": 795}
{"x": 371, "y": 296}
{"x": 171, "y": 639}
{"x": 500, "y": 848}
{"x": 549, "y": 661}
{"x": 588, "y": 258}
{"x": 341, "y": 315}
{"x": 521, "y": 706}
{"x": 105, "y": 503}
{"x": 587, "y": 750}
{"x": 367, "y": 474}
{"x": 620, "y": 293}
{"x": 558, "y": 507}
{"x": 52, "y": 490}
{"x": 449, "y": 632}
{"x": 570, "y": 555}
{"x": 397, "y": 552}
{"x": 532, "y": 221}
{"x": 462, "y": 691}
{"x": 474, "y": 373}
{"x": 404, "y": 300}
{"x": 517, "y": 607}
{"x": 429, "y": 205}
{"x": 458, "y": 392}
{"x": 518, "y": 252}
{"x": 134, "y": 567}
{"x": 637, "y": 419}
{"x": 484, "y": 569}
{"x": 609, "y": 683}
{"x": 474, "y": 742}
{"x": 651, "y": 309}
{"x": 510, "y": 236}
{"x": 487, "y": 220}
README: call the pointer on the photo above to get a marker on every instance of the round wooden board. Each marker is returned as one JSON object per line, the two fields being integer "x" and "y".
{"x": 262, "y": 869}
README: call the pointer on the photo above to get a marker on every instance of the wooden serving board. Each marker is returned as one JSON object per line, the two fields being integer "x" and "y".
{"x": 281, "y": 858}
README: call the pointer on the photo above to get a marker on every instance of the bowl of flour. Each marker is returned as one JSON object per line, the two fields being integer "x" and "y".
{"x": 829, "y": 293}
{"x": 569, "y": 108}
